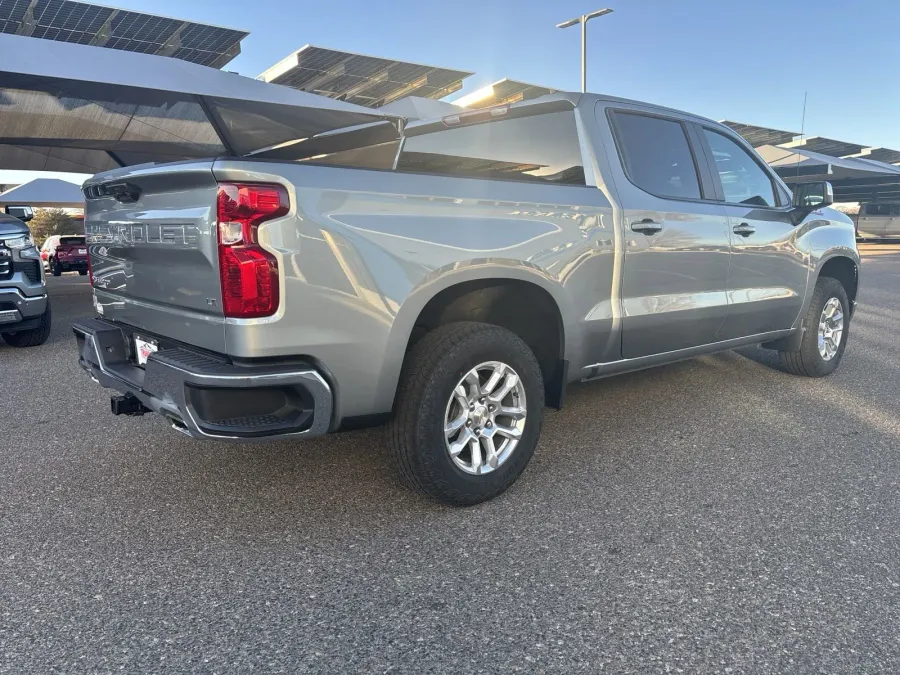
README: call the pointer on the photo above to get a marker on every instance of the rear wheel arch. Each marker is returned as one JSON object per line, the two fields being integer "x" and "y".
{"x": 525, "y": 305}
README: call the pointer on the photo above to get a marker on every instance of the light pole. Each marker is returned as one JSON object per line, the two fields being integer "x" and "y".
{"x": 583, "y": 19}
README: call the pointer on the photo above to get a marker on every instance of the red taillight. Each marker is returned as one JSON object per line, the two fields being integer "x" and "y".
{"x": 248, "y": 272}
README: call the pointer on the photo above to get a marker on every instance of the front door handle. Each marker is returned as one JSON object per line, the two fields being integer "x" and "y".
{"x": 647, "y": 226}
{"x": 744, "y": 229}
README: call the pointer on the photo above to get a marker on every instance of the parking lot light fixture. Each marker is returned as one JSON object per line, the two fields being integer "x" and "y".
{"x": 583, "y": 19}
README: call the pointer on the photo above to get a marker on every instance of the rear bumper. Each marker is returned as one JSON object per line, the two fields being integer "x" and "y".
{"x": 80, "y": 265}
{"x": 204, "y": 395}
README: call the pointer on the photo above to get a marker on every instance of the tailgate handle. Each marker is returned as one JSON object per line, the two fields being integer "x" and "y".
{"x": 126, "y": 193}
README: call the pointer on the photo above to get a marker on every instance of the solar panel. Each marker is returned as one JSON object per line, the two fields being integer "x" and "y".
{"x": 757, "y": 136}
{"x": 881, "y": 155}
{"x": 11, "y": 14}
{"x": 89, "y": 24}
{"x": 365, "y": 80}
{"x": 829, "y": 146}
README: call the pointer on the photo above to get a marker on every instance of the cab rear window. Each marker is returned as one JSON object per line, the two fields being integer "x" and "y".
{"x": 538, "y": 148}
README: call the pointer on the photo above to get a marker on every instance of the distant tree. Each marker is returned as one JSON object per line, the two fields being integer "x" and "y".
{"x": 47, "y": 222}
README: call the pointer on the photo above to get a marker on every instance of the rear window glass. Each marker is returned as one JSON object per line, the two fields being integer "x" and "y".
{"x": 656, "y": 155}
{"x": 539, "y": 148}
{"x": 71, "y": 241}
{"x": 379, "y": 156}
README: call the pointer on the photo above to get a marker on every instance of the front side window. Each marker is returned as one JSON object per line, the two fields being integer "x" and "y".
{"x": 743, "y": 180}
{"x": 539, "y": 148}
{"x": 656, "y": 155}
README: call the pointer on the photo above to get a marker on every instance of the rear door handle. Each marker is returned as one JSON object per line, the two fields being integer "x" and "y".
{"x": 744, "y": 229}
{"x": 647, "y": 226}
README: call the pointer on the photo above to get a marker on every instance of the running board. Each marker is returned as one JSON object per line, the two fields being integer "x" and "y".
{"x": 600, "y": 370}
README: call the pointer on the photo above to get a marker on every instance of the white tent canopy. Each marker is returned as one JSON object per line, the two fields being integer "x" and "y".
{"x": 45, "y": 193}
{"x": 69, "y": 107}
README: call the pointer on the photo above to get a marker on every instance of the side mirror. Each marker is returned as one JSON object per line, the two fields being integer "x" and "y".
{"x": 23, "y": 213}
{"x": 813, "y": 195}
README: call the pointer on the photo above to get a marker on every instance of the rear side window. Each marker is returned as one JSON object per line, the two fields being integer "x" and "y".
{"x": 656, "y": 155}
{"x": 881, "y": 210}
{"x": 539, "y": 148}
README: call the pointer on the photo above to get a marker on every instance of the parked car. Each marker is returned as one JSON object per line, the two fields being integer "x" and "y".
{"x": 878, "y": 220}
{"x": 24, "y": 308}
{"x": 65, "y": 253}
{"x": 451, "y": 279}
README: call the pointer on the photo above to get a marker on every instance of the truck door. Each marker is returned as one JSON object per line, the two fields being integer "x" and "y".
{"x": 877, "y": 220}
{"x": 768, "y": 272}
{"x": 675, "y": 234}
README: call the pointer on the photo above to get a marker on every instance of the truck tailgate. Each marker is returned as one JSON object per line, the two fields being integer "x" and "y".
{"x": 153, "y": 250}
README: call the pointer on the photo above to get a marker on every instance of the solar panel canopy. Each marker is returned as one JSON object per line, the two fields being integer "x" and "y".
{"x": 503, "y": 91}
{"x": 364, "y": 80}
{"x": 880, "y": 155}
{"x": 89, "y": 24}
{"x": 70, "y": 107}
{"x": 757, "y": 136}
{"x": 828, "y": 146}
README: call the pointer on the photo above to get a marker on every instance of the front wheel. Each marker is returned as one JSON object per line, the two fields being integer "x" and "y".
{"x": 826, "y": 329}
{"x": 33, "y": 337}
{"x": 468, "y": 413}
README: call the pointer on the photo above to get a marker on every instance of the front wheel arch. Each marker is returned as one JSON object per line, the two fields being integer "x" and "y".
{"x": 840, "y": 267}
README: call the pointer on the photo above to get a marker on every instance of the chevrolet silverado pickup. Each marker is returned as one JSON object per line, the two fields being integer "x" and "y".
{"x": 451, "y": 276}
{"x": 24, "y": 308}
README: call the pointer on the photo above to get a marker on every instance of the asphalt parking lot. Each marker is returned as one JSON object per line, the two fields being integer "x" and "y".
{"x": 716, "y": 515}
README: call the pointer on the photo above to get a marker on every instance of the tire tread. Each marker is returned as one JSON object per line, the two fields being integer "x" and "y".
{"x": 416, "y": 385}
{"x": 34, "y": 337}
{"x": 806, "y": 361}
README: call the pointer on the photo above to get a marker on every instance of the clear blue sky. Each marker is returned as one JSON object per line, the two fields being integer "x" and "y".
{"x": 745, "y": 60}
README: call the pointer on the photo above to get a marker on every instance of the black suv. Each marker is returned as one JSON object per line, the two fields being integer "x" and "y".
{"x": 24, "y": 307}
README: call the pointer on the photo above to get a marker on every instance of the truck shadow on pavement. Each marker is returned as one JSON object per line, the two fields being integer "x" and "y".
{"x": 637, "y": 431}
{"x": 697, "y": 423}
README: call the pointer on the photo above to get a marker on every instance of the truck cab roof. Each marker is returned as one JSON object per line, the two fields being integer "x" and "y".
{"x": 561, "y": 99}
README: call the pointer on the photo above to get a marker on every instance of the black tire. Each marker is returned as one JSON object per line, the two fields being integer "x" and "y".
{"x": 430, "y": 373}
{"x": 35, "y": 336}
{"x": 55, "y": 269}
{"x": 807, "y": 361}
{"x": 82, "y": 272}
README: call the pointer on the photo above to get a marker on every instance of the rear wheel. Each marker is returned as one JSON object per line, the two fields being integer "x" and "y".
{"x": 55, "y": 269}
{"x": 826, "y": 329}
{"x": 468, "y": 413}
{"x": 82, "y": 272}
{"x": 33, "y": 337}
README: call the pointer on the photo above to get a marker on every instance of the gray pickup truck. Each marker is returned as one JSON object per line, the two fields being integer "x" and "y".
{"x": 451, "y": 276}
{"x": 25, "y": 319}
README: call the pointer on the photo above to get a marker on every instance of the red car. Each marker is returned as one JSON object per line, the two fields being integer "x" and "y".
{"x": 65, "y": 253}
